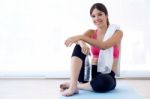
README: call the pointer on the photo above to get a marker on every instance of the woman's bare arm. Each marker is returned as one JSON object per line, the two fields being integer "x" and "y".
{"x": 115, "y": 39}
{"x": 89, "y": 34}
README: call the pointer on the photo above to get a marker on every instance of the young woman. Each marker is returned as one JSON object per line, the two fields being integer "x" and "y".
{"x": 99, "y": 82}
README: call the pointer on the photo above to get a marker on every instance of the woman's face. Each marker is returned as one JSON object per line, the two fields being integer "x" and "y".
{"x": 99, "y": 18}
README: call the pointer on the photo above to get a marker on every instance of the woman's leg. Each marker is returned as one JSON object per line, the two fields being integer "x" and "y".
{"x": 77, "y": 62}
{"x": 100, "y": 83}
{"x": 103, "y": 82}
{"x": 85, "y": 86}
{"x": 82, "y": 86}
{"x": 94, "y": 71}
{"x": 75, "y": 69}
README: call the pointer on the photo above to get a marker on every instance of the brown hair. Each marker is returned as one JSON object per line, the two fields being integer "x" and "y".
{"x": 100, "y": 7}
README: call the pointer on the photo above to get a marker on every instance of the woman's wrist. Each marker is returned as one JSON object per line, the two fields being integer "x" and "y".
{"x": 82, "y": 37}
{"x": 81, "y": 43}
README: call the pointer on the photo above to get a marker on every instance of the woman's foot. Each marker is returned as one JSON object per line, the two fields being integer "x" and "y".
{"x": 64, "y": 86}
{"x": 70, "y": 91}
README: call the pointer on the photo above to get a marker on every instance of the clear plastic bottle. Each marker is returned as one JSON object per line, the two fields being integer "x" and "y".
{"x": 87, "y": 68}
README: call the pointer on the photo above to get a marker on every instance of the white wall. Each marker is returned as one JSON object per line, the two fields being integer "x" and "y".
{"x": 32, "y": 33}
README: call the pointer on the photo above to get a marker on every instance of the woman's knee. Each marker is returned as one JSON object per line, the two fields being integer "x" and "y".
{"x": 78, "y": 53}
{"x": 103, "y": 83}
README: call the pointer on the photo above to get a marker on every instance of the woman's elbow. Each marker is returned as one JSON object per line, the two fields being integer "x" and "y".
{"x": 104, "y": 47}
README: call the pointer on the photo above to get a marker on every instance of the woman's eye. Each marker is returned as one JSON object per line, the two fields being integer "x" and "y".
{"x": 99, "y": 14}
{"x": 93, "y": 16}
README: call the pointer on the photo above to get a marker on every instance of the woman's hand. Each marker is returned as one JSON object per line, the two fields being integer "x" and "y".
{"x": 84, "y": 48}
{"x": 72, "y": 40}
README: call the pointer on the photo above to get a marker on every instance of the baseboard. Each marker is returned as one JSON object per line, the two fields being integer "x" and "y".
{"x": 134, "y": 74}
{"x": 65, "y": 74}
{"x": 35, "y": 74}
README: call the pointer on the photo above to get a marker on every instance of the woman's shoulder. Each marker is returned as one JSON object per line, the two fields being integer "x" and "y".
{"x": 118, "y": 35}
{"x": 119, "y": 31}
{"x": 89, "y": 32}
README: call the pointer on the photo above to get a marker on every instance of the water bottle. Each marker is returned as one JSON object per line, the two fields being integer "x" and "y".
{"x": 87, "y": 68}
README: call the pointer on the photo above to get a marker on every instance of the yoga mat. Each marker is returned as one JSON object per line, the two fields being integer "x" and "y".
{"x": 122, "y": 91}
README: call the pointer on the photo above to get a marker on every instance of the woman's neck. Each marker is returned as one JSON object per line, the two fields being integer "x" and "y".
{"x": 102, "y": 30}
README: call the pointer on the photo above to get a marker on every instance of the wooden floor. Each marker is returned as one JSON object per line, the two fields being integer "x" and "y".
{"x": 19, "y": 88}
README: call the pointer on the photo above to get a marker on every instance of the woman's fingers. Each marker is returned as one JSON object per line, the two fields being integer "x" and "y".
{"x": 85, "y": 50}
{"x": 68, "y": 43}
